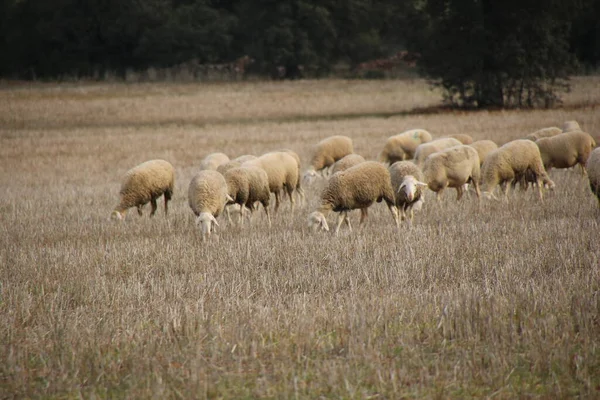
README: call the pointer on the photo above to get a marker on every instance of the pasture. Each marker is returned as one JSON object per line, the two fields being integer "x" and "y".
{"x": 494, "y": 300}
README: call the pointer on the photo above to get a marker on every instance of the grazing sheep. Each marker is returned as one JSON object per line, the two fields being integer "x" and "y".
{"x": 511, "y": 161}
{"x": 346, "y": 162}
{"x": 244, "y": 158}
{"x": 483, "y": 148}
{"x": 355, "y": 188}
{"x": 326, "y": 152}
{"x": 145, "y": 183}
{"x": 207, "y": 196}
{"x": 212, "y": 161}
{"x": 453, "y": 167}
{"x": 566, "y": 150}
{"x": 571, "y": 126}
{"x": 282, "y": 170}
{"x": 462, "y": 137}
{"x": 593, "y": 169}
{"x": 247, "y": 185}
{"x": 424, "y": 150}
{"x": 227, "y": 166}
{"x": 407, "y": 181}
{"x": 299, "y": 189}
{"x": 544, "y": 132}
{"x": 403, "y": 146}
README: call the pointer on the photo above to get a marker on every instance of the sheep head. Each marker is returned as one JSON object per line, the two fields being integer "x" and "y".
{"x": 317, "y": 221}
{"x": 309, "y": 176}
{"x": 206, "y": 221}
{"x": 409, "y": 187}
{"x": 117, "y": 215}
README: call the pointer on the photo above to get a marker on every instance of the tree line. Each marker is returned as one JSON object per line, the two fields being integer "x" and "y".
{"x": 483, "y": 53}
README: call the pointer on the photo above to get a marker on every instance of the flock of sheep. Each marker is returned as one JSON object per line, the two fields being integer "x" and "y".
{"x": 408, "y": 163}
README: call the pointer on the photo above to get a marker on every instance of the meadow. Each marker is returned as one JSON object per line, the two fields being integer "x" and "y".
{"x": 489, "y": 299}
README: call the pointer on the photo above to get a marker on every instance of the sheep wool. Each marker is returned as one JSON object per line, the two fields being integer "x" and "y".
{"x": 207, "y": 197}
{"x": 213, "y": 160}
{"x": 327, "y": 152}
{"x": 355, "y": 188}
{"x": 566, "y": 149}
{"x": 571, "y": 126}
{"x": 593, "y": 169}
{"x": 347, "y": 162}
{"x": 247, "y": 185}
{"x": 145, "y": 183}
{"x": 407, "y": 181}
{"x": 462, "y": 137}
{"x": 483, "y": 148}
{"x": 453, "y": 167}
{"x": 544, "y": 132}
{"x": 426, "y": 149}
{"x": 403, "y": 145}
{"x": 511, "y": 161}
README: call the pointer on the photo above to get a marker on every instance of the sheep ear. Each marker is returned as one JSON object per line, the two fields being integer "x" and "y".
{"x": 229, "y": 198}
{"x": 419, "y": 183}
{"x": 402, "y": 185}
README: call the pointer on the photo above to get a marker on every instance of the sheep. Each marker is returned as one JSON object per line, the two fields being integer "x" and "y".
{"x": 571, "y": 126}
{"x": 511, "y": 161}
{"x": 244, "y": 158}
{"x": 346, "y": 162}
{"x": 227, "y": 166}
{"x": 299, "y": 189}
{"x": 402, "y": 146}
{"x": 453, "y": 167}
{"x": 212, "y": 161}
{"x": 355, "y": 188}
{"x": 207, "y": 196}
{"x": 424, "y": 150}
{"x": 326, "y": 152}
{"x": 593, "y": 169}
{"x": 544, "y": 132}
{"x": 407, "y": 181}
{"x": 282, "y": 170}
{"x": 145, "y": 183}
{"x": 462, "y": 137}
{"x": 247, "y": 185}
{"x": 566, "y": 150}
{"x": 483, "y": 148}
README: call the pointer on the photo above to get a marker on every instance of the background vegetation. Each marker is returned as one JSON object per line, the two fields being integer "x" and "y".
{"x": 492, "y": 300}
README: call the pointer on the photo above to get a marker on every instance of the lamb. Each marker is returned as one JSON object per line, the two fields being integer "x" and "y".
{"x": 512, "y": 161}
{"x": 453, "y": 167}
{"x": 212, "y": 161}
{"x": 247, "y": 185}
{"x": 355, "y": 188}
{"x": 424, "y": 150}
{"x": 282, "y": 171}
{"x": 145, "y": 183}
{"x": 544, "y": 132}
{"x": 326, "y": 152}
{"x": 462, "y": 137}
{"x": 593, "y": 169}
{"x": 407, "y": 180}
{"x": 571, "y": 126}
{"x": 403, "y": 146}
{"x": 207, "y": 196}
{"x": 483, "y": 148}
{"x": 566, "y": 150}
{"x": 346, "y": 162}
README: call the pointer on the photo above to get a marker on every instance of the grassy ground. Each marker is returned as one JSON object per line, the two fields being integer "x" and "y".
{"x": 492, "y": 300}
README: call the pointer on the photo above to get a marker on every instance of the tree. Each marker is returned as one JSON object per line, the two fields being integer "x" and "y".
{"x": 484, "y": 53}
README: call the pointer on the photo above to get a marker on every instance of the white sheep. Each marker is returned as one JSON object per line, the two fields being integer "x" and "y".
{"x": 403, "y": 146}
{"x": 299, "y": 189}
{"x": 227, "y": 166}
{"x": 510, "y": 162}
{"x": 207, "y": 196}
{"x": 282, "y": 170}
{"x": 145, "y": 183}
{"x": 247, "y": 185}
{"x": 407, "y": 181}
{"x": 246, "y": 157}
{"x": 212, "y": 161}
{"x": 544, "y": 132}
{"x": 483, "y": 148}
{"x": 453, "y": 167}
{"x": 571, "y": 126}
{"x": 355, "y": 188}
{"x": 346, "y": 162}
{"x": 593, "y": 169}
{"x": 426, "y": 149}
{"x": 462, "y": 137}
{"x": 566, "y": 150}
{"x": 327, "y": 152}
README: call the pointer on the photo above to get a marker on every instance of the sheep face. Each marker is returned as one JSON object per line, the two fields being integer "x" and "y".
{"x": 409, "y": 187}
{"x": 206, "y": 221}
{"x": 317, "y": 221}
{"x": 117, "y": 216}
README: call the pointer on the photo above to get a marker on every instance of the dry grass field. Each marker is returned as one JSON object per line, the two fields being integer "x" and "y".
{"x": 475, "y": 300}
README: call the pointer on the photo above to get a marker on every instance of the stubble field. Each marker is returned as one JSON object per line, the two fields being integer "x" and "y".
{"x": 475, "y": 300}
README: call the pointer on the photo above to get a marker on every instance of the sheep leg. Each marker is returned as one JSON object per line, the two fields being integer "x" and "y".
{"x": 277, "y": 200}
{"x": 347, "y": 220}
{"x": 540, "y": 190}
{"x": 241, "y": 214}
{"x": 340, "y": 219}
{"x": 394, "y": 212}
{"x": 364, "y": 213}
{"x": 459, "y": 192}
{"x": 290, "y": 192}
{"x": 139, "y": 209}
{"x": 506, "y": 190}
{"x": 154, "y": 206}
{"x": 268, "y": 215}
